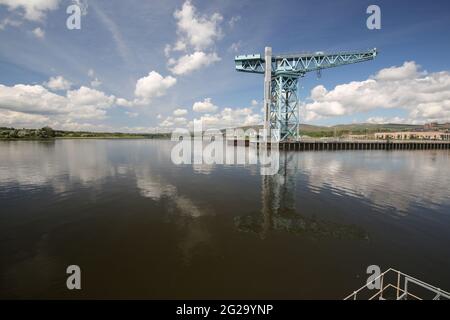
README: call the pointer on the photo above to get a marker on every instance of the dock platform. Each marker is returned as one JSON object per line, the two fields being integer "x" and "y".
{"x": 335, "y": 145}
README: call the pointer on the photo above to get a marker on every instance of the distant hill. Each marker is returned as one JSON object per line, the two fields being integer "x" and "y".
{"x": 343, "y": 129}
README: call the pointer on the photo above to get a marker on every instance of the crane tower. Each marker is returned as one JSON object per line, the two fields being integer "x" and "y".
{"x": 281, "y": 114}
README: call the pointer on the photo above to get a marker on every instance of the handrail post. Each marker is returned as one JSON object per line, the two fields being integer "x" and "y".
{"x": 381, "y": 289}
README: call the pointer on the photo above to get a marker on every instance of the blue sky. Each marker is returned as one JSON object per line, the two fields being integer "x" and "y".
{"x": 134, "y": 63}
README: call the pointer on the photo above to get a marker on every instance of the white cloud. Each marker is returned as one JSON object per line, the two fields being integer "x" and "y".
{"x": 58, "y": 83}
{"x": 83, "y": 103}
{"x": 254, "y": 103}
{"x": 33, "y": 10}
{"x": 230, "y": 118}
{"x": 39, "y": 33}
{"x": 180, "y": 120}
{"x": 204, "y": 106}
{"x": 190, "y": 62}
{"x": 20, "y": 119}
{"x": 180, "y": 45}
{"x": 384, "y": 120}
{"x": 180, "y": 112}
{"x": 86, "y": 103}
{"x": 199, "y": 31}
{"x": 153, "y": 85}
{"x": 197, "y": 34}
{"x": 31, "y": 98}
{"x": 425, "y": 96}
{"x": 9, "y": 22}
{"x": 409, "y": 70}
{"x": 124, "y": 103}
{"x": 172, "y": 122}
{"x": 166, "y": 124}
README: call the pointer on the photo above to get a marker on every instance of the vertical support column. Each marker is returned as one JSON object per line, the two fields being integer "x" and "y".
{"x": 267, "y": 91}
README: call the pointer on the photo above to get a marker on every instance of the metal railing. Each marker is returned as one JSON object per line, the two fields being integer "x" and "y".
{"x": 396, "y": 285}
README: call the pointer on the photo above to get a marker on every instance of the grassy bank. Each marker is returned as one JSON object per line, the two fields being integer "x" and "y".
{"x": 48, "y": 133}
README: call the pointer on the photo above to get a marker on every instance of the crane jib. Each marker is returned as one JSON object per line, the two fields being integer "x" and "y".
{"x": 301, "y": 63}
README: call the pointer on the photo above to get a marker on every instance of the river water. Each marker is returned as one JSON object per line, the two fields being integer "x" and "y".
{"x": 140, "y": 226}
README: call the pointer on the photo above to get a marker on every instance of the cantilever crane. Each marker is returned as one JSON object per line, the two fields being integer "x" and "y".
{"x": 281, "y": 119}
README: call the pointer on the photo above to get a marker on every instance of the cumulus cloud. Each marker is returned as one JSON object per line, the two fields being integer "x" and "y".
{"x": 87, "y": 103}
{"x": 180, "y": 112}
{"x": 204, "y": 106}
{"x": 409, "y": 70}
{"x": 212, "y": 118}
{"x": 33, "y": 10}
{"x": 34, "y": 103}
{"x": 384, "y": 120}
{"x": 231, "y": 118}
{"x": 9, "y": 22}
{"x": 197, "y": 34}
{"x": 190, "y": 62}
{"x": 153, "y": 85}
{"x": 20, "y": 119}
{"x": 172, "y": 122}
{"x": 31, "y": 99}
{"x": 425, "y": 96}
{"x": 58, "y": 83}
{"x": 124, "y": 102}
{"x": 199, "y": 31}
{"x": 38, "y": 33}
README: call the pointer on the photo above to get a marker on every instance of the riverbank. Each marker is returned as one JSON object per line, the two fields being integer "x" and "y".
{"x": 48, "y": 133}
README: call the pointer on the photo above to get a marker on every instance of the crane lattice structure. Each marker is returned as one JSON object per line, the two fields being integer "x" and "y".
{"x": 281, "y": 116}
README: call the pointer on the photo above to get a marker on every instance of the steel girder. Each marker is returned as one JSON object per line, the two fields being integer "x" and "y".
{"x": 301, "y": 63}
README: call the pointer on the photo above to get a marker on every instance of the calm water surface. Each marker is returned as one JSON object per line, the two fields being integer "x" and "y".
{"x": 142, "y": 227}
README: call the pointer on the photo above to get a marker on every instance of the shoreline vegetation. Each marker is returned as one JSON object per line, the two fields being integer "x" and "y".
{"x": 48, "y": 133}
{"x": 312, "y": 131}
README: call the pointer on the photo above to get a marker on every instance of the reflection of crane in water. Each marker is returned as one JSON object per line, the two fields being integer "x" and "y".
{"x": 278, "y": 210}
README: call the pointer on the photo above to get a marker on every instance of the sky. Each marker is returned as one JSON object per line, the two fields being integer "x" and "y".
{"x": 150, "y": 66}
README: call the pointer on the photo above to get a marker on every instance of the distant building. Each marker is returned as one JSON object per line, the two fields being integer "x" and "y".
{"x": 431, "y": 126}
{"x": 413, "y": 135}
{"x": 435, "y": 126}
{"x": 357, "y": 137}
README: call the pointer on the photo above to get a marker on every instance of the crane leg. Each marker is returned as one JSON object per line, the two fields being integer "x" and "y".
{"x": 284, "y": 118}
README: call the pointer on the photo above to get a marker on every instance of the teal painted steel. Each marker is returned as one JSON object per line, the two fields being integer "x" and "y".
{"x": 285, "y": 70}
